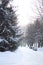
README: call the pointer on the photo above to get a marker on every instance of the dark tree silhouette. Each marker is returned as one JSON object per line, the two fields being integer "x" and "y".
{"x": 8, "y": 27}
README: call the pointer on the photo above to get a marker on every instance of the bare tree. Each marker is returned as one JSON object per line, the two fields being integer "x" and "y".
{"x": 34, "y": 35}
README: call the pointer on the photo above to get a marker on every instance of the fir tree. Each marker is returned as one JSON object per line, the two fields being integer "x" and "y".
{"x": 8, "y": 27}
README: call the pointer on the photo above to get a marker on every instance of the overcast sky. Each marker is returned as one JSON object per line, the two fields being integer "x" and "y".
{"x": 26, "y": 11}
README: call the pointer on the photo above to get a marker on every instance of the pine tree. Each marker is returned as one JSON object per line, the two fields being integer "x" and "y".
{"x": 8, "y": 27}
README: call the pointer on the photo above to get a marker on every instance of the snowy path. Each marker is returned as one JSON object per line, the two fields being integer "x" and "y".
{"x": 22, "y": 56}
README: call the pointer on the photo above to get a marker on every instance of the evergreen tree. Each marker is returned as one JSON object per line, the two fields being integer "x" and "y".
{"x": 8, "y": 27}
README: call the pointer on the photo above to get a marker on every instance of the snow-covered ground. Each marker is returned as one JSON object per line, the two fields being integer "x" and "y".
{"x": 22, "y": 56}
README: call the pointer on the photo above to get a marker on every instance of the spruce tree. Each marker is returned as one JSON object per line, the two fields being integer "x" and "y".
{"x": 8, "y": 27}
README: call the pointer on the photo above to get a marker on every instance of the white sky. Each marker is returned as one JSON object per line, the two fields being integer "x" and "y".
{"x": 26, "y": 10}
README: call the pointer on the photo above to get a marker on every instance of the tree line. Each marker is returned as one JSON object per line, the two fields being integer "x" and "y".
{"x": 34, "y": 34}
{"x": 11, "y": 35}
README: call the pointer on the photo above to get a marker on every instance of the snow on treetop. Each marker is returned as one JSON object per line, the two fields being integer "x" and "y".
{"x": 1, "y": 40}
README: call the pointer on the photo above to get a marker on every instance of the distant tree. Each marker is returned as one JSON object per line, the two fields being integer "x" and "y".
{"x": 8, "y": 27}
{"x": 30, "y": 35}
{"x": 34, "y": 35}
